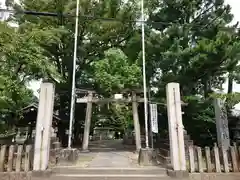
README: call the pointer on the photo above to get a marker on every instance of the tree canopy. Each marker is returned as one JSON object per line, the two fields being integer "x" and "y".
{"x": 115, "y": 73}
{"x": 191, "y": 42}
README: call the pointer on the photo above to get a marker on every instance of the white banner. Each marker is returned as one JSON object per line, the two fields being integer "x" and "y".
{"x": 154, "y": 117}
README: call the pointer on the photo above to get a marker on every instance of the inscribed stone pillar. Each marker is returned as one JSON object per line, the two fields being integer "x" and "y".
{"x": 43, "y": 127}
{"x": 87, "y": 122}
{"x": 175, "y": 126}
{"x": 221, "y": 123}
{"x": 136, "y": 122}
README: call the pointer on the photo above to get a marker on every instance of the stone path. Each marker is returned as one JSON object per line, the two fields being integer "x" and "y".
{"x": 109, "y": 160}
{"x": 112, "y": 159}
{"x": 108, "y": 154}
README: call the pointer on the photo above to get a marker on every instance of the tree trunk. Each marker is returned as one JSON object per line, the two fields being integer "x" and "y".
{"x": 206, "y": 89}
{"x": 230, "y": 83}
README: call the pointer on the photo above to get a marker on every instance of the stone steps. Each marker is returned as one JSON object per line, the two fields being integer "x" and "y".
{"x": 108, "y": 170}
{"x": 164, "y": 149}
{"x": 108, "y": 177}
{"x": 164, "y": 152}
{"x": 74, "y": 173}
{"x": 165, "y": 160}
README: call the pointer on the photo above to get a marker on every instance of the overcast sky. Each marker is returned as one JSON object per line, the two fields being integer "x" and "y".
{"x": 235, "y": 8}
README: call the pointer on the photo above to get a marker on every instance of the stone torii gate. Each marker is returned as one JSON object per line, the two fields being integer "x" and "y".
{"x": 45, "y": 113}
{"x": 90, "y": 99}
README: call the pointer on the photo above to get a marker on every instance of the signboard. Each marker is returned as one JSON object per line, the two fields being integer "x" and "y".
{"x": 82, "y": 100}
{"x": 154, "y": 117}
{"x": 222, "y": 123}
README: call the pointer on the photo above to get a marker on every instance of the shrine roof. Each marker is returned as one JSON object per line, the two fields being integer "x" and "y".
{"x": 35, "y": 107}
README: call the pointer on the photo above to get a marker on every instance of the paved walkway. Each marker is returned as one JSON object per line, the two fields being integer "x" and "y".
{"x": 112, "y": 159}
{"x": 109, "y": 153}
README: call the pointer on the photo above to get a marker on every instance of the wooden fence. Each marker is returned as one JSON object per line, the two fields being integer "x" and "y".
{"x": 215, "y": 159}
{"x": 20, "y": 157}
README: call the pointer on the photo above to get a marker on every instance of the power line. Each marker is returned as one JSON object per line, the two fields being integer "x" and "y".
{"x": 87, "y": 17}
{"x": 66, "y": 15}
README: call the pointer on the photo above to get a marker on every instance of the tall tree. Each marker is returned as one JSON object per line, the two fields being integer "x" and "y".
{"x": 98, "y": 31}
{"x": 193, "y": 46}
{"x": 21, "y": 60}
{"x": 115, "y": 72}
{"x": 192, "y": 43}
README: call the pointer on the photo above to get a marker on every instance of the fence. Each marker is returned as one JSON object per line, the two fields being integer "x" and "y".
{"x": 20, "y": 157}
{"x": 215, "y": 159}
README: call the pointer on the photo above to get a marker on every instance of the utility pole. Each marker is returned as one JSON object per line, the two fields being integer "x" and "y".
{"x": 73, "y": 94}
{"x": 144, "y": 76}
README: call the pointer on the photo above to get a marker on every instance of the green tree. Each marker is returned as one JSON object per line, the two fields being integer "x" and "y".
{"x": 194, "y": 50}
{"x": 194, "y": 45}
{"x": 21, "y": 61}
{"x": 117, "y": 116}
{"x": 114, "y": 73}
{"x": 189, "y": 42}
{"x": 95, "y": 36}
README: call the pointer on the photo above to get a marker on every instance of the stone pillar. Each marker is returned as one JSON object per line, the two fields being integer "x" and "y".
{"x": 87, "y": 123}
{"x": 136, "y": 121}
{"x": 221, "y": 123}
{"x": 43, "y": 127}
{"x": 176, "y": 128}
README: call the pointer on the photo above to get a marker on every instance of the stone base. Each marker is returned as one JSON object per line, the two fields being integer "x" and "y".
{"x": 68, "y": 156}
{"x": 146, "y": 157}
{"x": 85, "y": 151}
{"x": 16, "y": 175}
{"x": 42, "y": 174}
{"x": 177, "y": 174}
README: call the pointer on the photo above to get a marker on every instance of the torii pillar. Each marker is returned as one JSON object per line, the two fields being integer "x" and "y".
{"x": 87, "y": 123}
{"x": 175, "y": 125}
{"x": 43, "y": 127}
{"x": 136, "y": 122}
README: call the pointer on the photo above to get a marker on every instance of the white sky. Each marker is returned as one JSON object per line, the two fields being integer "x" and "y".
{"x": 235, "y": 4}
{"x": 235, "y": 8}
